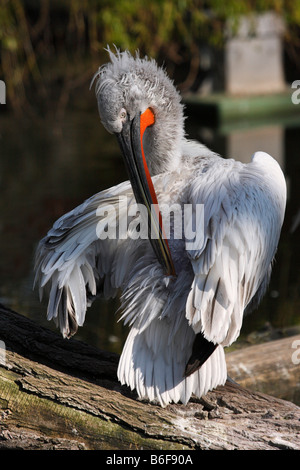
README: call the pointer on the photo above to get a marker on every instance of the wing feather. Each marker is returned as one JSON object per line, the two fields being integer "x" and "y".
{"x": 73, "y": 264}
{"x": 243, "y": 214}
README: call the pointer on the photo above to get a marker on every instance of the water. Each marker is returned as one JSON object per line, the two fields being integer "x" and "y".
{"x": 48, "y": 167}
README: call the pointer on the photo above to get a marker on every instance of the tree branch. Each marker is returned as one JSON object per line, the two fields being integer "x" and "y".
{"x": 64, "y": 394}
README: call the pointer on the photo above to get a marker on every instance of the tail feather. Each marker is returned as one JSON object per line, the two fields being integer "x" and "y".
{"x": 162, "y": 346}
{"x": 158, "y": 374}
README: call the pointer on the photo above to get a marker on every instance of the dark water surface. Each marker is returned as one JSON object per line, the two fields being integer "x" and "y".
{"x": 48, "y": 167}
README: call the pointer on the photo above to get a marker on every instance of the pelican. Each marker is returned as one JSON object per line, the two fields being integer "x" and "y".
{"x": 184, "y": 297}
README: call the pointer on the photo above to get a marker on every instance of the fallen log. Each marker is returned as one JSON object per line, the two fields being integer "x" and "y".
{"x": 64, "y": 394}
{"x": 272, "y": 367}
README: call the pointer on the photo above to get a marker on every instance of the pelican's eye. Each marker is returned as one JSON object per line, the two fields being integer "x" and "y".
{"x": 123, "y": 114}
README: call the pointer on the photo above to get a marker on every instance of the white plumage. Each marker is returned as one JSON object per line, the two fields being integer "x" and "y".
{"x": 225, "y": 273}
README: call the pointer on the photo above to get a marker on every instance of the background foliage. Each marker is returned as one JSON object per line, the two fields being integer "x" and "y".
{"x": 63, "y": 41}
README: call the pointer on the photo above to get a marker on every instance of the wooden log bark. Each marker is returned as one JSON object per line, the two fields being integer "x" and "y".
{"x": 64, "y": 394}
{"x": 272, "y": 367}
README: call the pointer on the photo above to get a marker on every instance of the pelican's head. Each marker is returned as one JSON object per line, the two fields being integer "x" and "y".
{"x": 140, "y": 105}
{"x": 125, "y": 88}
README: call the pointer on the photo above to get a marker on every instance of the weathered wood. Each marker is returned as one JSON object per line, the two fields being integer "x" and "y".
{"x": 272, "y": 367}
{"x": 59, "y": 394}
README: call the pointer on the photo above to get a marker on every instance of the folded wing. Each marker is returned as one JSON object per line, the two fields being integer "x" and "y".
{"x": 243, "y": 214}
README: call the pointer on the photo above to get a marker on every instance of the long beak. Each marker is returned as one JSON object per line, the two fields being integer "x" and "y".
{"x": 131, "y": 142}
